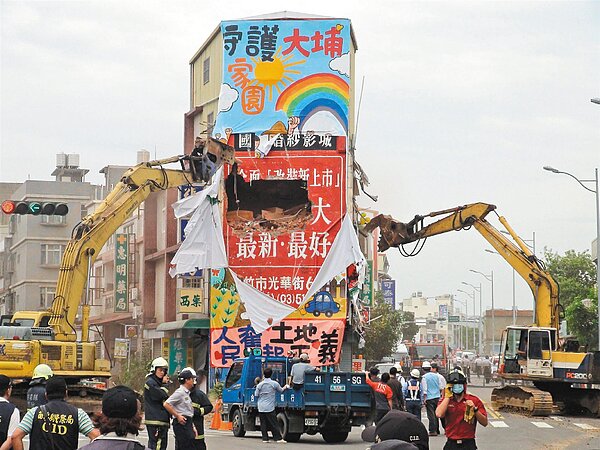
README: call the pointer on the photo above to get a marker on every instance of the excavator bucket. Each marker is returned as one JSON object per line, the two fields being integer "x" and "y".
{"x": 392, "y": 233}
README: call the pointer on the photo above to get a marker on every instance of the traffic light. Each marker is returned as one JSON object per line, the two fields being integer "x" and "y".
{"x": 35, "y": 208}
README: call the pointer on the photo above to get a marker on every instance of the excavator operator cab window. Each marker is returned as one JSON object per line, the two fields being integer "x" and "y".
{"x": 515, "y": 350}
{"x": 539, "y": 344}
{"x": 45, "y": 321}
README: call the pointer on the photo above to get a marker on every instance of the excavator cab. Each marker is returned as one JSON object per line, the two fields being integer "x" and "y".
{"x": 527, "y": 351}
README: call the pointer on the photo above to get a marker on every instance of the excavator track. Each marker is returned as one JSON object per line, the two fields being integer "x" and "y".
{"x": 525, "y": 399}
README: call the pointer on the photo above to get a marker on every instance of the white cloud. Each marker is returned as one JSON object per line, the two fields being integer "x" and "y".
{"x": 341, "y": 64}
{"x": 227, "y": 97}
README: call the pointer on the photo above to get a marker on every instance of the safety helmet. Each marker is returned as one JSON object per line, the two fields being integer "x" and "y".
{"x": 457, "y": 377}
{"x": 42, "y": 371}
{"x": 159, "y": 362}
{"x": 426, "y": 365}
{"x": 186, "y": 374}
{"x": 415, "y": 373}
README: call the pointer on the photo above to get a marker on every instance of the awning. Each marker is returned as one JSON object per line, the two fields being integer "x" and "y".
{"x": 108, "y": 318}
{"x": 187, "y": 323}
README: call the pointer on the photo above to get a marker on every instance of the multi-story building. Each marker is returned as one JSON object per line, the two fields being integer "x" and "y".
{"x": 431, "y": 315}
{"x": 36, "y": 243}
{"x": 502, "y": 319}
{"x": 257, "y": 87}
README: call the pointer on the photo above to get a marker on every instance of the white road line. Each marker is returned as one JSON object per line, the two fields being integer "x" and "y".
{"x": 542, "y": 425}
{"x": 498, "y": 424}
{"x": 558, "y": 419}
{"x": 585, "y": 426}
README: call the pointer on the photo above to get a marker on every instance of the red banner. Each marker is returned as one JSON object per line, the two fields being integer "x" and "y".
{"x": 285, "y": 265}
{"x": 321, "y": 339}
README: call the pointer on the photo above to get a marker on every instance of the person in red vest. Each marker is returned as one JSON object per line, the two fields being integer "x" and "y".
{"x": 383, "y": 393}
{"x": 462, "y": 412}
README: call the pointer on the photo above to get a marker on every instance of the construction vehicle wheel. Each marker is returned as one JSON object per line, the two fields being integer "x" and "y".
{"x": 333, "y": 437}
{"x": 237, "y": 425}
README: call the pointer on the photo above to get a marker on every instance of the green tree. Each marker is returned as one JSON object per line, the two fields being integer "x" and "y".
{"x": 575, "y": 274}
{"x": 386, "y": 329}
{"x": 582, "y": 321}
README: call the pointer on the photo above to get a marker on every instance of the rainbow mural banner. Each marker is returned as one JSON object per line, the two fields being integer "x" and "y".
{"x": 285, "y": 78}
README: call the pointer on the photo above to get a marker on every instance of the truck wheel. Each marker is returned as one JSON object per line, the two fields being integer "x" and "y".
{"x": 284, "y": 426}
{"x": 237, "y": 425}
{"x": 333, "y": 437}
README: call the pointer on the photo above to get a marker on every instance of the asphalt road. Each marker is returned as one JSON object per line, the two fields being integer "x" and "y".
{"x": 506, "y": 431}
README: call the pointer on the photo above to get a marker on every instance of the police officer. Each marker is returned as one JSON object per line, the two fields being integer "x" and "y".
{"x": 9, "y": 414}
{"x": 36, "y": 394}
{"x": 56, "y": 425}
{"x": 179, "y": 405}
{"x": 202, "y": 406}
{"x": 155, "y": 393}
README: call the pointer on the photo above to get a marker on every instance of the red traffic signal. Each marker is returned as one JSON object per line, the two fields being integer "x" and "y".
{"x": 35, "y": 208}
{"x": 8, "y": 207}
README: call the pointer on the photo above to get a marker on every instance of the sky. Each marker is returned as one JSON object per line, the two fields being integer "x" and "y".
{"x": 463, "y": 102}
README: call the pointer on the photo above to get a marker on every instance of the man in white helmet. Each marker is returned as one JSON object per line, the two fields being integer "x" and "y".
{"x": 36, "y": 394}
{"x": 155, "y": 393}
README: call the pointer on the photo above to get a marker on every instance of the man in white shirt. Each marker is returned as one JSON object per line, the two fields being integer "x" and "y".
{"x": 9, "y": 414}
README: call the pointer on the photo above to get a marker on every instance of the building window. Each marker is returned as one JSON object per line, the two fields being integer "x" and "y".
{"x": 54, "y": 220}
{"x": 193, "y": 282}
{"x": 52, "y": 254}
{"x": 210, "y": 123}
{"x": 47, "y": 295}
{"x": 206, "y": 70}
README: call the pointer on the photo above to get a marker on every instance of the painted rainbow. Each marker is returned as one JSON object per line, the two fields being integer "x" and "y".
{"x": 316, "y": 93}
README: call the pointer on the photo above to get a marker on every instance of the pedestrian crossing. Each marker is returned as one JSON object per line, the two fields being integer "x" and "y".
{"x": 497, "y": 420}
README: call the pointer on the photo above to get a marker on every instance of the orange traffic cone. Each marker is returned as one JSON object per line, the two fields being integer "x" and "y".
{"x": 217, "y": 423}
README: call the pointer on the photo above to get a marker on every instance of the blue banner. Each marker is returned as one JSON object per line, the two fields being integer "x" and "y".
{"x": 388, "y": 289}
{"x": 285, "y": 78}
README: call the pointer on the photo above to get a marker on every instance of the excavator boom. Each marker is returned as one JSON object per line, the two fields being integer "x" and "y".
{"x": 393, "y": 233}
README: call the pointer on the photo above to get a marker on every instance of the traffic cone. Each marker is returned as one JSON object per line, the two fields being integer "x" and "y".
{"x": 217, "y": 423}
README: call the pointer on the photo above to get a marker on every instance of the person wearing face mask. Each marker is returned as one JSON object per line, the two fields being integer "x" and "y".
{"x": 462, "y": 412}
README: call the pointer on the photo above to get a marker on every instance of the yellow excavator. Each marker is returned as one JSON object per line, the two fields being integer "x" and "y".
{"x": 542, "y": 370}
{"x": 29, "y": 338}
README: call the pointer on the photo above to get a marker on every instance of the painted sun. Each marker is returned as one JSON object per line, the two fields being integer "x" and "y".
{"x": 274, "y": 75}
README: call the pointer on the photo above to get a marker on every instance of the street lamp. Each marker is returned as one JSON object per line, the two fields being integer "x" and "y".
{"x": 475, "y": 289}
{"x": 480, "y": 322}
{"x": 490, "y": 278}
{"x": 514, "y": 303}
{"x": 467, "y": 316}
{"x": 581, "y": 182}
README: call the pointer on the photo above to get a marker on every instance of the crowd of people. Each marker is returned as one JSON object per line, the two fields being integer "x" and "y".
{"x": 446, "y": 400}
{"x": 52, "y": 423}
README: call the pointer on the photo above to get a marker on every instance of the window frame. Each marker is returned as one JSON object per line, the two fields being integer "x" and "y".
{"x": 206, "y": 70}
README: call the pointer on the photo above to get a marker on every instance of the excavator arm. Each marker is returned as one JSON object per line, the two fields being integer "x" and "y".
{"x": 545, "y": 290}
{"x": 95, "y": 229}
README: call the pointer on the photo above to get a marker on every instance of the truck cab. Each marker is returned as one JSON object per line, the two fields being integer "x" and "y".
{"x": 330, "y": 403}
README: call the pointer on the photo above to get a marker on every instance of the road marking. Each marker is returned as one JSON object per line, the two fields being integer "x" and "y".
{"x": 491, "y": 411}
{"x": 585, "y": 426}
{"x": 542, "y": 425}
{"x": 558, "y": 419}
{"x": 498, "y": 424}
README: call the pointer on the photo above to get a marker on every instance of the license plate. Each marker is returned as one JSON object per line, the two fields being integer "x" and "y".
{"x": 337, "y": 387}
{"x": 311, "y": 422}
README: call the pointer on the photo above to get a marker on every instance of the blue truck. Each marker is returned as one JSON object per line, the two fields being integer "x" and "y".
{"x": 330, "y": 403}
